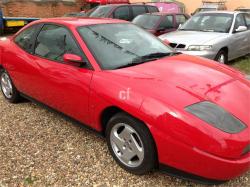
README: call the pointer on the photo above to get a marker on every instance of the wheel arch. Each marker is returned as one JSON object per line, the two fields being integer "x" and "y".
{"x": 106, "y": 115}
{"x": 225, "y": 48}
{"x": 111, "y": 111}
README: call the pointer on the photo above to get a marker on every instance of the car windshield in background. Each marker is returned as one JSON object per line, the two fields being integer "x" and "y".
{"x": 99, "y": 12}
{"x": 210, "y": 22}
{"x": 146, "y": 21}
{"x": 122, "y": 45}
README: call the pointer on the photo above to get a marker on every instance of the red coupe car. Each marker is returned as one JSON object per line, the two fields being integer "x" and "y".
{"x": 154, "y": 106}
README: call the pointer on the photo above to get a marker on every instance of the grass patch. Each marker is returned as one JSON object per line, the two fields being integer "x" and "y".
{"x": 29, "y": 181}
{"x": 242, "y": 64}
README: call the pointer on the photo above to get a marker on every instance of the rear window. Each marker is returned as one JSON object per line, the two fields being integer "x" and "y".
{"x": 152, "y": 9}
{"x": 138, "y": 10}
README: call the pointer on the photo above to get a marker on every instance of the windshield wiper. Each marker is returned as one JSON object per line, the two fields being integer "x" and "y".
{"x": 206, "y": 30}
{"x": 147, "y": 58}
{"x": 134, "y": 63}
{"x": 187, "y": 30}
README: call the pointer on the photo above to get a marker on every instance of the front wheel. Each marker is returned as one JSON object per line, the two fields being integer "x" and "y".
{"x": 222, "y": 57}
{"x": 8, "y": 88}
{"x": 131, "y": 144}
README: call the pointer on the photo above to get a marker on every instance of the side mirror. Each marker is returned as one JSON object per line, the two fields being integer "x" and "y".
{"x": 73, "y": 60}
{"x": 241, "y": 29}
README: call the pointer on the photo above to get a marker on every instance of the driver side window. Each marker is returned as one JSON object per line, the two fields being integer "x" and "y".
{"x": 54, "y": 41}
{"x": 240, "y": 21}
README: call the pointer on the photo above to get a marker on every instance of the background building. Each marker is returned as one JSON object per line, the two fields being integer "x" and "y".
{"x": 55, "y": 8}
{"x": 40, "y": 8}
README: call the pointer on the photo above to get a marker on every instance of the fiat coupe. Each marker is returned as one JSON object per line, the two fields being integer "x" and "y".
{"x": 156, "y": 108}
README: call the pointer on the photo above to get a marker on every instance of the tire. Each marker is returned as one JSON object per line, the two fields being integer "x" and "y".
{"x": 222, "y": 57}
{"x": 129, "y": 138}
{"x": 8, "y": 89}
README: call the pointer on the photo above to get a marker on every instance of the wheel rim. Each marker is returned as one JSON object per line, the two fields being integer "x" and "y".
{"x": 6, "y": 85}
{"x": 221, "y": 59}
{"x": 127, "y": 145}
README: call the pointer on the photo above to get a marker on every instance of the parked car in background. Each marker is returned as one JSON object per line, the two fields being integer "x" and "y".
{"x": 211, "y": 6}
{"x": 243, "y": 10}
{"x": 160, "y": 23}
{"x": 101, "y": 72}
{"x": 218, "y": 35}
{"x": 121, "y": 11}
{"x": 75, "y": 14}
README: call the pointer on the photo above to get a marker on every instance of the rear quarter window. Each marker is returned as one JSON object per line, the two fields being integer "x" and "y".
{"x": 25, "y": 39}
{"x": 152, "y": 9}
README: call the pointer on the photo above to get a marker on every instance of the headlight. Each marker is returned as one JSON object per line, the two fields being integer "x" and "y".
{"x": 199, "y": 47}
{"x": 216, "y": 116}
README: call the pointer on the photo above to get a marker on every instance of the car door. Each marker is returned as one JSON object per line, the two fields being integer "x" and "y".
{"x": 63, "y": 87}
{"x": 166, "y": 25}
{"x": 241, "y": 39}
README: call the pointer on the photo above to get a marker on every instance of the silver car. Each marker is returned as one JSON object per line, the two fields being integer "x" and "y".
{"x": 220, "y": 35}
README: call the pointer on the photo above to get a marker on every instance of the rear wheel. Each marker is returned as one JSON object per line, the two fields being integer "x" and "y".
{"x": 131, "y": 144}
{"x": 222, "y": 57}
{"x": 8, "y": 88}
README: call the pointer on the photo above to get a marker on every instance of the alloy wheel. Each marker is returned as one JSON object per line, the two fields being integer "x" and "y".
{"x": 6, "y": 85}
{"x": 127, "y": 145}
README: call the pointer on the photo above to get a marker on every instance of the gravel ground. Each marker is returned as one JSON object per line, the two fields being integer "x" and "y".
{"x": 41, "y": 148}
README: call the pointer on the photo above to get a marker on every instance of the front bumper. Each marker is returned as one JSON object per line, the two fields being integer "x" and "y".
{"x": 205, "y": 54}
{"x": 199, "y": 163}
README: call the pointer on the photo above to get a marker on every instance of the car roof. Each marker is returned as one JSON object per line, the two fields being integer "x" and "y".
{"x": 219, "y": 12}
{"x": 79, "y": 21}
{"x": 162, "y": 13}
{"x": 123, "y": 4}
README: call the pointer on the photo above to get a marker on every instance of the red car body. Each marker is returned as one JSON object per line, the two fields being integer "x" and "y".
{"x": 160, "y": 90}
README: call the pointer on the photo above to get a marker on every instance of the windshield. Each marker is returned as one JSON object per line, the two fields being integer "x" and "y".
{"x": 99, "y": 12}
{"x": 121, "y": 45}
{"x": 146, "y": 21}
{"x": 209, "y": 22}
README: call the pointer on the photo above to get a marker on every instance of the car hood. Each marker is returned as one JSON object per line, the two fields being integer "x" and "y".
{"x": 183, "y": 80}
{"x": 191, "y": 37}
